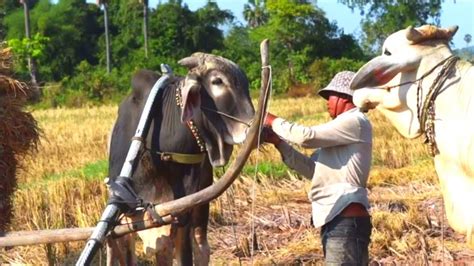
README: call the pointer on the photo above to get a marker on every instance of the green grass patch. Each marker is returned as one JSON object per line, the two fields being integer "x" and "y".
{"x": 95, "y": 171}
{"x": 92, "y": 171}
{"x": 270, "y": 169}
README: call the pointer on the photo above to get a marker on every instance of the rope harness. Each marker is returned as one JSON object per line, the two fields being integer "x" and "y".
{"x": 226, "y": 115}
{"x": 193, "y": 127}
{"x": 426, "y": 109}
{"x": 184, "y": 158}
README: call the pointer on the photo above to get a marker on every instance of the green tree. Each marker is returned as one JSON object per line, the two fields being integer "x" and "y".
{"x": 255, "y": 13}
{"x": 245, "y": 52}
{"x": 73, "y": 29}
{"x": 6, "y": 7}
{"x": 175, "y": 31}
{"x": 126, "y": 23}
{"x": 31, "y": 61}
{"x": 105, "y": 7}
{"x": 385, "y": 17}
{"x": 145, "y": 26}
{"x": 323, "y": 70}
{"x": 301, "y": 33}
{"x": 206, "y": 33}
{"x": 467, "y": 39}
{"x": 28, "y": 50}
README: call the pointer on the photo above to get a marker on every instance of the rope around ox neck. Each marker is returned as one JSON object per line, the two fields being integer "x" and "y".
{"x": 426, "y": 112}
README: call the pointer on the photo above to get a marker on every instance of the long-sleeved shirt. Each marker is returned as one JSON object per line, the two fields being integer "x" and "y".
{"x": 341, "y": 169}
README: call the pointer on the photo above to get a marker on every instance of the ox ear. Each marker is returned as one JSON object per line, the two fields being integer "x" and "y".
{"x": 190, "y": 97}
{"x": 381, "y": 70}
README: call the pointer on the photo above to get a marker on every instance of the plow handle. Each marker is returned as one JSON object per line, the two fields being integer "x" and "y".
{"x": 114, "y": 209}
{"x": 106, "y": 223}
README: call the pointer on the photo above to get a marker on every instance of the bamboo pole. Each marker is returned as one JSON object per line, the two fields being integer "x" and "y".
{"x": 25, "y": 238}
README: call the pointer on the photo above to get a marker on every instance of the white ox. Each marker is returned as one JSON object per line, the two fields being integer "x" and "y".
{"x": 409, "y": 55}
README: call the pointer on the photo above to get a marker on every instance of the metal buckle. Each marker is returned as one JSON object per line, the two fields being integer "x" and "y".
{"x": 165, "y": 156}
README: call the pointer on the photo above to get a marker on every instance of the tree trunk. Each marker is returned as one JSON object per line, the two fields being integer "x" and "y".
{"x": 145, "y": 26}
{"x": 107, "y": 40}
{"x": 36, "y": 93}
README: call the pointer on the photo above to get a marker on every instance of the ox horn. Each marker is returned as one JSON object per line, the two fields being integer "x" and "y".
{"x": 427, "y": 32}
{"x": 190, "y": 62}
{"x": 413, "y": 35}
{"x": 452, "y": 30}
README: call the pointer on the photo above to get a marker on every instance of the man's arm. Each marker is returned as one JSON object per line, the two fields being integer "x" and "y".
{"x": 334, "y": 133}
{"x": 296, "y": 160}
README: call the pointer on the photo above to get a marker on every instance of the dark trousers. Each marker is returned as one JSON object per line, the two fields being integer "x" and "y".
{"x": 346, "y": 240}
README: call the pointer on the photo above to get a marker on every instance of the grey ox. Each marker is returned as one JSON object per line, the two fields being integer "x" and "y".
{"x": 195, "y": 123}
{"x": 422, "y": 88}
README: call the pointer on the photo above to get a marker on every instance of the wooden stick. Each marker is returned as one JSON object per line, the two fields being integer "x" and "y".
{"x": 24, "y": 238}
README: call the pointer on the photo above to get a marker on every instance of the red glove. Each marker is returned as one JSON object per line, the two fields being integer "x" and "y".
{"x": 268, "y": 135}
{"x": 269, "y": 117}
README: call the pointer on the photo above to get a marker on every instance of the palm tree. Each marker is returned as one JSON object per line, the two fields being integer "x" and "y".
{"x": 31, "y": 62}
{"x": 104, "y": 4}
{"x": 145, "y": 25}
{"x": 467, "y": 39}
{"x": 255, "y": 13}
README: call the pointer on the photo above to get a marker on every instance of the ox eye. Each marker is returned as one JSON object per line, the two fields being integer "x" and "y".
{"x": 387, "y": 52}
{"x": 217, "y": 81}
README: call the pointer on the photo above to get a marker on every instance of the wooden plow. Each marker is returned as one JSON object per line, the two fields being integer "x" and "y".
{"x": 166, "y": 211}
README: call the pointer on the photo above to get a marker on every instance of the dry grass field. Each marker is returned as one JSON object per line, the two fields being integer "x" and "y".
{"x": 262, "y": 219}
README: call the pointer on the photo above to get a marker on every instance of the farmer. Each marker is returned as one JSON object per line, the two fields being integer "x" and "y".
{"x": 339, "y": 170}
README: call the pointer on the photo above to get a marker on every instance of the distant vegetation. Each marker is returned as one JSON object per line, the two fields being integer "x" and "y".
{"x": 66, "y": 48}
{"x": 466, "y": 53}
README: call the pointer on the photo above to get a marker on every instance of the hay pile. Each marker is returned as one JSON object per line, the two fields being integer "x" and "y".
{"x": 19, "y": 133}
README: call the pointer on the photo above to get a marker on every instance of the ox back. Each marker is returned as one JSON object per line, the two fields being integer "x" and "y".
{"x": 156, "y": 180}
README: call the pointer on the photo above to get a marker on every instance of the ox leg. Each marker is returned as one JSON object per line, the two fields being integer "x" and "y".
{"x": 458, "y": 197}
{"x": 121, "y": 250}
{"x": 201, "y": 248}
{"x": 157, "y": 241}
{"x": 183, "y": 246}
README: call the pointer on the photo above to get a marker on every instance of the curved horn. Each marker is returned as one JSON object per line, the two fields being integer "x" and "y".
{"x": 427, "y": 32}
{"x": 413, "y": 35}
{"x": 190, "y": 62}
{"x": 450, "y": 31}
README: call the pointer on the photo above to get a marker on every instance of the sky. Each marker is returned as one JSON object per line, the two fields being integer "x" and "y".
{"x": 454, "y": 12}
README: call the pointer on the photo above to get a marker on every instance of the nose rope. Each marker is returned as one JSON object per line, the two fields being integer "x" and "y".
{"x": 427, "y": 73}
{"x": 225, "y": 115}
{"x": 253, "y": 235}
{"x": 426, "y": 110}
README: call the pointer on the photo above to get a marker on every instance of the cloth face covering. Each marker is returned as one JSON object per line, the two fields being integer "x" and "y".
{"x": 338, "y": 105}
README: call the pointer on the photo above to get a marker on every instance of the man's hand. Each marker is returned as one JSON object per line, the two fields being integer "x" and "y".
{"x": 269, "y": 117}
{"x": 269, "y": 136}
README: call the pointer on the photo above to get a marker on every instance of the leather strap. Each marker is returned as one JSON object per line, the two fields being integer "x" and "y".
{"x": 354, "y": 210}
{"x": 181, "y": 157}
